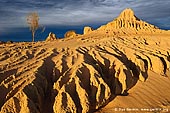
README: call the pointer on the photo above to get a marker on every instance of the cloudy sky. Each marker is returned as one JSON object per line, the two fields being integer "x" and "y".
{"x": 80, "y": 12}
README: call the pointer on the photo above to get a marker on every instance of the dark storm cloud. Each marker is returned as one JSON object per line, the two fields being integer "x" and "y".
{"x": 78, "y": 12}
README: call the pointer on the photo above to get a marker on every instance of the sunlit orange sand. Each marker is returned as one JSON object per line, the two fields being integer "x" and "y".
{"x": 119, "y": 67}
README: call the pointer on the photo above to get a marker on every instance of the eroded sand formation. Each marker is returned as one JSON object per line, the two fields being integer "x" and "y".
{"x": 51, "y": 37}
{"x": 83, "y": 73}
{"x": 87, "y": 30}
{"x": 128, "y": 23}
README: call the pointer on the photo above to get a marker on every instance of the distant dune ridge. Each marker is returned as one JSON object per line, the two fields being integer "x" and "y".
{"x": 124, "y": 63}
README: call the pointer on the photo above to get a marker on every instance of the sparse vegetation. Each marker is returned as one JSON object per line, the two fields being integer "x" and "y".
{"x": 9, "y": 42}
{"x": 33, "y": 22}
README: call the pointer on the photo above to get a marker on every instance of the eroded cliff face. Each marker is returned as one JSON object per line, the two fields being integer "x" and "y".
{"x": 128, "y": 23}
{"x": 81, "y": 74}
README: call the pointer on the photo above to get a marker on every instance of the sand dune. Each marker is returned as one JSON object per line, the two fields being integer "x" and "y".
{"x": 98, "y": 71}
{"x": 151, "y": 96}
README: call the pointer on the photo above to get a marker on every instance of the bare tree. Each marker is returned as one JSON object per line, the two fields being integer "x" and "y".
{"x": 33, "y": 22}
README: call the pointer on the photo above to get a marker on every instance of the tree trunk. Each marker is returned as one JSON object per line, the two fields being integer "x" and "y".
{"x": 33, "y": 34}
